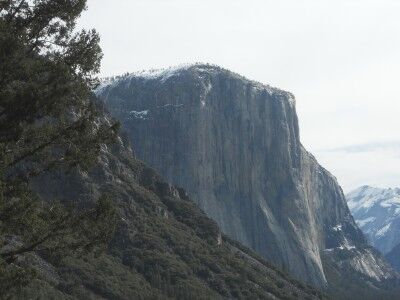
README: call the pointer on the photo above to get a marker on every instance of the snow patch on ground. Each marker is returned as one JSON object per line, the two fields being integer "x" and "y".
{"x": 383, "y": 230}
{"x": 394, "y": 201}
{"x": 292, "y": 101}
{"x": 200, "y": 69}
{"x": 363, "y": 222}
{"x": 337, "y": 227}
{"x": 139, "y": 114}
{"x": 346, "y": 245}
{"x": 206, "y": 91}
{"x": 170, "y": 105}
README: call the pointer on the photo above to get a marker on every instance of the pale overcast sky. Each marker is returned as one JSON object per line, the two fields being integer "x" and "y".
{"x": 340, "y": 58}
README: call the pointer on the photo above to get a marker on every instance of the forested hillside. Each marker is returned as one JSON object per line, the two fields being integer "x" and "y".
{"x": 81, "y": 217}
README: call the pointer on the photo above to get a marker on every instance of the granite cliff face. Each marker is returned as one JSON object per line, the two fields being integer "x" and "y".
{"x": 164, "y": 247}
{"x": 234, "y": 145}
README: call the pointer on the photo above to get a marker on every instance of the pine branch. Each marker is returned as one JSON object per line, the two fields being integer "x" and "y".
{"x": 41, "y": 147}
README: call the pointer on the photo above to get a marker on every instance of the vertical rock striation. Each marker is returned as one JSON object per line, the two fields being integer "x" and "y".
{"x": 234, "y": 145}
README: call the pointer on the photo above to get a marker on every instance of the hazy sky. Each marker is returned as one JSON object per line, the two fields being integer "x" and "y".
{"x": 340, "y": 58}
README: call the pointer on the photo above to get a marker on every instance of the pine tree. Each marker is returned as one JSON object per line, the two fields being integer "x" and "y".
{"x": 48, "y": 121}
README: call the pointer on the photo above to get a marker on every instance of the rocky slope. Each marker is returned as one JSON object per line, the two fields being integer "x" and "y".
{"x": 377, "y": 213}
{"x": 393, "y": 257}
{"x": 234, "y": 145}
{"x": 164, "y": 246}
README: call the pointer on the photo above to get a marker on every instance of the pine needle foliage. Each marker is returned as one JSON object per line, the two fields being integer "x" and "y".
{"x": 48, "y": 121}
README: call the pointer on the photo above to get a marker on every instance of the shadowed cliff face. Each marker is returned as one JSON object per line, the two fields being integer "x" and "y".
{"x": 394, "y": 257}
{"x": 164, "y": 246}
{"x": 234, "y": 145}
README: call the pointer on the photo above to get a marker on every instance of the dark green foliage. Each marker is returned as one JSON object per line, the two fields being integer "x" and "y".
{"x": 47, "y": 121}
{"x": 181, "y": 249}
{"x": 167, "y": 248}
{"x": 51, "y": 141}
{"x": 46, "y": 78}
{"x": 55, "y": 228}
{"x": 164, "y": 247}
{"x": 13, "y": 277}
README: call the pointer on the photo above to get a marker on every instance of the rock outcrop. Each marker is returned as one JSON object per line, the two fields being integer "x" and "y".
{"x": 234, "y": 145}
{"x": 164, "y": 247}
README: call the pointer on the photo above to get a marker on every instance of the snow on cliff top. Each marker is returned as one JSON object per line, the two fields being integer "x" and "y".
{"x": 164, "y": 74}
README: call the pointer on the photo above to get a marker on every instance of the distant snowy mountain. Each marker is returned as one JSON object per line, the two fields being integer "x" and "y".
{"x": 377, "y": 213}
{"x": 234, "y": 145}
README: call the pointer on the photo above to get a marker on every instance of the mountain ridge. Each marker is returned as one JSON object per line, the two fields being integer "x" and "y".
{"x": 234, "y": 145}
{"x": 165, "y": 73}
{"x": 164, "y": 246}
{"x": 377, "y": 212}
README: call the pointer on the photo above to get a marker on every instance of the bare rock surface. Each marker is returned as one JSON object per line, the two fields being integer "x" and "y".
{"x": 234, "y": 145}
